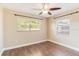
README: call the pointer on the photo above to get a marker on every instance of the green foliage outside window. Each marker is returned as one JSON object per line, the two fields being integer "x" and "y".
{"x": 34, "y": 24}
{"x": 24, "y": 24}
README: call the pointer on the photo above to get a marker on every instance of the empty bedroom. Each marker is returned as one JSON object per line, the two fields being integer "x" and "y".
{"x": 39, "y": 29}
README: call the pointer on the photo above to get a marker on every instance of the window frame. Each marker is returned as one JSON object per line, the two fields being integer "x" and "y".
{"x": 29, "y": 20}
{"x": 60, "y": 24}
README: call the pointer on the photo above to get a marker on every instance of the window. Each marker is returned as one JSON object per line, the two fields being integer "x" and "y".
{"x": 63, "y": 26}
{"x": 25, "y": 24}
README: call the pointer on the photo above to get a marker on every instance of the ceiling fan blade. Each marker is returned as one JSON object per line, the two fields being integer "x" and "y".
{"x": 40, "y": 13}
{"x": 49, "y": 13}
{"x": 51, "y": 9}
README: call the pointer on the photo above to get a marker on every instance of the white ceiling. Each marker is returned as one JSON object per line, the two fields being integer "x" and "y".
{"x": 28, "y": 7}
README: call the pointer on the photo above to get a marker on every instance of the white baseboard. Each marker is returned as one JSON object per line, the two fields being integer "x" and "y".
{"x": 23, "y": 45}
{"x": 65, "y": 45}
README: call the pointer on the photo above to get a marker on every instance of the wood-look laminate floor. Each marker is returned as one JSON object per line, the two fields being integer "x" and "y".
{"x": 41, "y": 49}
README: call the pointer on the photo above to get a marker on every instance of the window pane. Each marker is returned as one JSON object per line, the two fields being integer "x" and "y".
{"x": 22, "y": 24}
{"x": 35, "y": 25}
{"x": 63, "y": 26}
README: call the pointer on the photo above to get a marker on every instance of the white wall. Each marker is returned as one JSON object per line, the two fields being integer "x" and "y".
{"x": 15, "y": 38}
{"x": 1, "y": 27}
{"x": 72, "y": 39}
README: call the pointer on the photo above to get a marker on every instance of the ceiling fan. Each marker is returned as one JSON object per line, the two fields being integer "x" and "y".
{"x": 46, "y": 9}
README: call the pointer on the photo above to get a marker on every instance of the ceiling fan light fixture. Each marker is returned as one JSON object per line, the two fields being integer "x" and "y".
{"x": 45, "y": 11}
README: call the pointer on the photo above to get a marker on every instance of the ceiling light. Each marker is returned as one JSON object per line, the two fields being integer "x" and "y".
{"x": 45, "y": 12}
